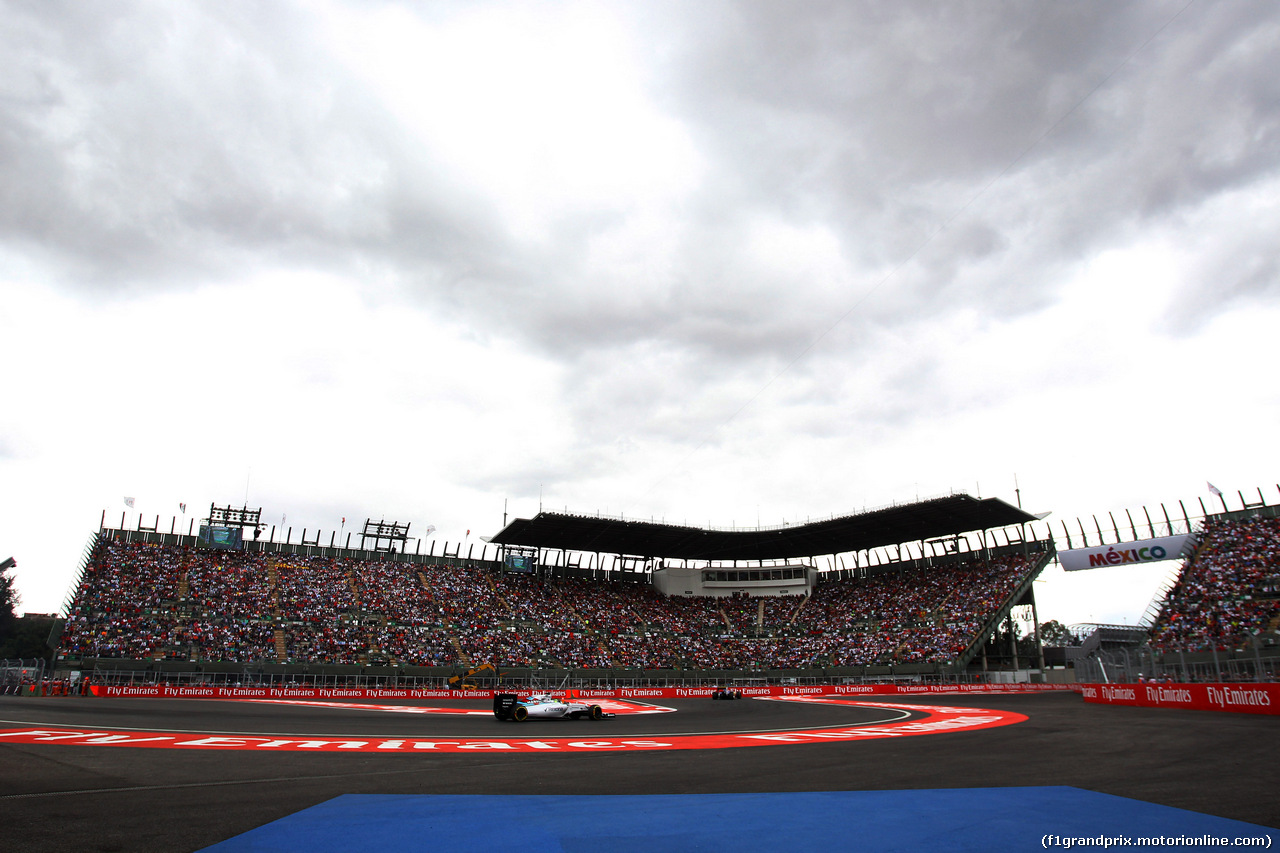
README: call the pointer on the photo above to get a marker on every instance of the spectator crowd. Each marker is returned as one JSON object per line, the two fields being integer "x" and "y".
{"x": 1228, "y": 594}
{"x": 145, "y": 601}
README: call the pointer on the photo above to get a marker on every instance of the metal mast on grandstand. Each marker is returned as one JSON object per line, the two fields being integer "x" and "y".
{"x": 390, "y": 532}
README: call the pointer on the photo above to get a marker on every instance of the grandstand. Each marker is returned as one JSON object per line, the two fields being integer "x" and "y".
{"x": 1228, "y": 591}
{"x": 1218, "y": 620}
{"x": 912, "y": 592}
{"x": 750, "y": 604}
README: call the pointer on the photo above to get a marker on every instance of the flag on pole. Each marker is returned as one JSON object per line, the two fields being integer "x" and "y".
{"x": 1215, "y": 490}
{"x": 182, "y": 508}
{"x": 128, "y": 502}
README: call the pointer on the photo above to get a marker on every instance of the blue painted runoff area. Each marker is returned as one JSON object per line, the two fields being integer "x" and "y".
{"x": 978, "y": 819}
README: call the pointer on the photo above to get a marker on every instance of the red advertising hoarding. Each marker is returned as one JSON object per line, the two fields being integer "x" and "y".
{"x": 208, "y": 691}
{"x": 1241, "y": 698}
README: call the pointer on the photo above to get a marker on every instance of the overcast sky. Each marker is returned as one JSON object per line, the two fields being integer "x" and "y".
{"x": 714, "y": 263}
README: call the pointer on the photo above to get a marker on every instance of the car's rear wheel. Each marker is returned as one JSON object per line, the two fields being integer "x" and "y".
{"x": 520, "y": 714}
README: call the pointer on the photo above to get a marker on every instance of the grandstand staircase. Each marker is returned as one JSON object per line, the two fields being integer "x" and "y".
{"x": 577, "y": 617}
{"x": 725, "y": 617}
{"x": 353, "y": 584}
{"x": 273, "y": 580}
{"x": 1151, "y": 616}
{"x": 992, "y": 623}
{"x": 607, "y": 654}
{"x": 184, "y": 584}
{"x": 273, "y": 583}
{"x": 355, "y": 589}
{"x": 463, "y": 657}
{"x": 799, "y": 609}
{"x": 494, "y": 589}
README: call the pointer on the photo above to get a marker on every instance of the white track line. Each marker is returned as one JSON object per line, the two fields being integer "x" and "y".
{"x": 901, "y": 714}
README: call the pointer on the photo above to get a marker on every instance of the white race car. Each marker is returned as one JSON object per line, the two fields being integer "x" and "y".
{"x": 543, "y": 706}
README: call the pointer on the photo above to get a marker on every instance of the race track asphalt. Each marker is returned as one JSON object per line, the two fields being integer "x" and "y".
{"x": 60, "y": 797}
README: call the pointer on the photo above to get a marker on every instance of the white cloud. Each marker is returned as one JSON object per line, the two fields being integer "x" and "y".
{"x": 542, "y": 107}
{"x": 717, "y": 264}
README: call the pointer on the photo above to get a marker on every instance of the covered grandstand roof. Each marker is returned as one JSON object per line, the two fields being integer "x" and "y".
{"x": 930, "y": 519}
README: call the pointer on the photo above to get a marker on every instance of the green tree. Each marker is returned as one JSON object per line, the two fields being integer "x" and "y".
{"x": 1054, "y": 633}
{"x": 9, "y": 598}
{"x": 998, "y": 645}
{"x": 27, "y": 638}
{"x": 24, "y": 638}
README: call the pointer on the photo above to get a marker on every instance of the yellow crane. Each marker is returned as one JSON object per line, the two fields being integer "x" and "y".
{"x": 464, "y": 682}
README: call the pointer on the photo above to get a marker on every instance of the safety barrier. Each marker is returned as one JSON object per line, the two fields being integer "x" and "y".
{"x": 165, "y": 691}
{"x": 1241, "y": 698}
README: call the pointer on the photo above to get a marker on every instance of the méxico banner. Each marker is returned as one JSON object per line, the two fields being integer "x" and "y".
{"x": 1126, "y": 553}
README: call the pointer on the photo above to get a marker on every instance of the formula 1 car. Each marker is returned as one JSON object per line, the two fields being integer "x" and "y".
{"x": 542, "y": 706}
{"x": 726, "y": 693}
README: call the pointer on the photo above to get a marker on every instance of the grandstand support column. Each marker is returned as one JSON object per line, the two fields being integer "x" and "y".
{"x": 1035, "y": 624}
{"x": 1013, "y": 642}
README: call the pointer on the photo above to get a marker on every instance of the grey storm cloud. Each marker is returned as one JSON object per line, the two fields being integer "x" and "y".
{"x": 148, "y": 145}
{"x": 960, "y": 154}
{"x": 1015, "y": 125}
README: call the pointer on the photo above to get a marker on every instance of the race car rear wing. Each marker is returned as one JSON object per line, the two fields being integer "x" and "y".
{"x": 504, "y": 705}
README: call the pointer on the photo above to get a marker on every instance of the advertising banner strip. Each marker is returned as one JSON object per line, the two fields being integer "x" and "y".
{"x": 1126, "y": 553}
{"x": 926, "y": 720}
{"x": 612, "y": 706}
{"x": 1242, "y": 698}
{"x": 167, "y": 691}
